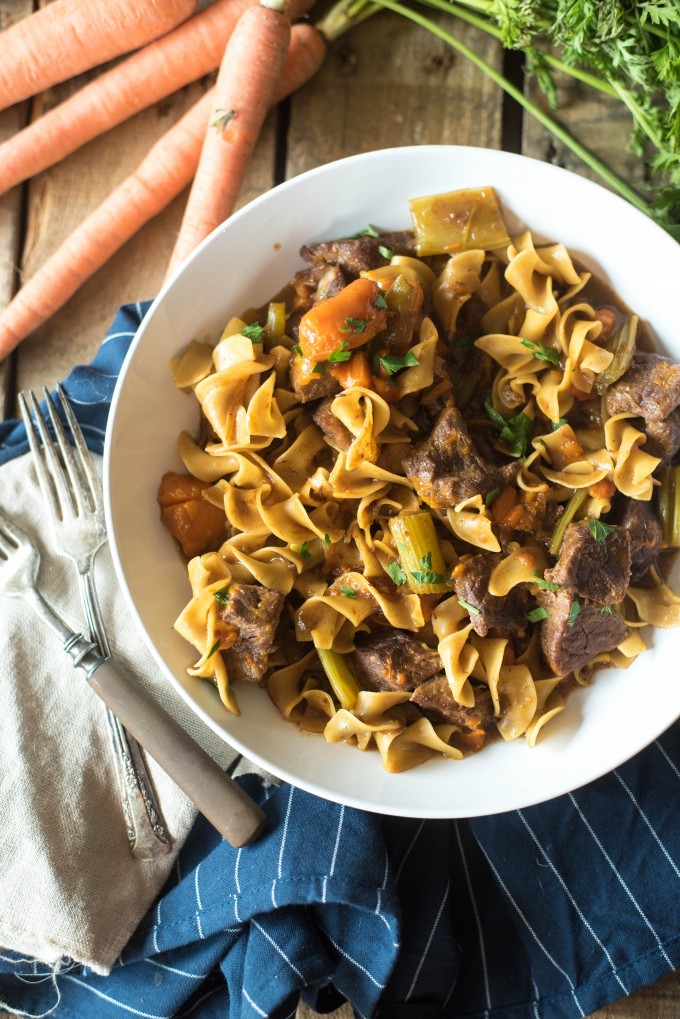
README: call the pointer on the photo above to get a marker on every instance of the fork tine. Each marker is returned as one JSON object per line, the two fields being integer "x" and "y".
{"x": 83, "y": 452}
{"x": 51, "y": 482}
{"x": 79, "y": 488}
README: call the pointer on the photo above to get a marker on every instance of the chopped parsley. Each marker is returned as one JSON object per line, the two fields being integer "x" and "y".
{"x": 547, "y": 585}
{"x": 426, "y": 575}
{"x": 607, "y": 609}
{"x": 343, "y": 353}
{"x": 368, "y": 231}
{"x": 396, "y": 573}
{"x": 253, "y": 332}
{"x": 380, "y": 301}
{"x": 514, "y": 432}
{"x": 222, "y": 596}
{"x": 304, "y": 550}
{"x": 599, "y": 530}
{"x": 348, "y": 592}
{"x": 558, "y": 424}
{"x": 298, "y": 350}
{"x": 471, "y": 608}
{"x": 393, "y": 363}
{"x": 573, "y": 613}
{"x": 214, "y": 648}
{"x": 542, "y": 352}
{"x": 320, "y": 369}
{"x": 353, "y": 325}
{"x": 327, "y": 539}
{"x": 385, "y": 251}
{"x": 224, "y": 117}
{"x": 536, "y": 615}
{"x": 491, "y": 496}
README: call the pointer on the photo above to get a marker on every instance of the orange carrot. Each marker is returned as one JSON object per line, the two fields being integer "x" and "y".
{"x": 185, "y": 55}
{"x": 246, "y": 82}
{"x": 166, "y": 170}
{"x": 71, "y": 36}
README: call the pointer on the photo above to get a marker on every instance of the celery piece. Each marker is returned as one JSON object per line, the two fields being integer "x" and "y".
{"x": 420, "y": 553}
{"x": 668, "y": 496}
{"x": 622, "y": 345}
{"x": 343, "y": 683}
{"x": 458, "y": 221}
{"x": 570, "y": 511}
{"x": 275, "y": 325}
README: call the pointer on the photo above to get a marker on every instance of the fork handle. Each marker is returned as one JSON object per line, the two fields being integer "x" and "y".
{"x": 214, "y": 793}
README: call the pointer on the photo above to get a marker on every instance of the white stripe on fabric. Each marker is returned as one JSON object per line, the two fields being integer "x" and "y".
{"x": 138, "y": 306}
{"x": 115, "y": 336}
{"x": 665, "y": 755}
{"x": 429, "y": 942}
{"x": 455, "y": 979}
{"x": 198, "y": 894}
{"x": 323, "y": 888}
{"x": 649, "y": 825}
{"x": 278, "y": 949}
{"x": 156, "y": 926}
{"x": 536, "y": 996}
{"x": 274, "y": 902}
{"x": 408, "y": 851}
{"x": 354, "y": 962}
{"x": 236, "y": 914}
{"x": 337, "y": 840}
{"x": 478, "y": 920}
{"x": 621, "y": 881}
{"x": 252, "y": 1004}
{"x": 173, "y": 969}
{"x": 533, "y": 933}
{"x": 581, "y": 915}
{"x": 200, "y": 929}
{"x": 113, "y": 1001}
{"x": 236, "y": 865}
{"x": 285, "y": 829}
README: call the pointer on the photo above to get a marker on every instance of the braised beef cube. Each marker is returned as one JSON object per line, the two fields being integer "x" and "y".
{"x": 641, "y": 523}
{"x": 595, "y": 569}
{"x": 663, "y": 437}
{"x": 355, "y": 255}
{"x": 499, "y": 616}
{"x": 392, "y": 660}
{"x": 319, "y": 386}
{"x": 446, "y": 468}
{"x": 650, "y": 388}
{"x": 575, "y": 632}
{"x": 331, "y": 282}
{"x": 331, "y": 426}
{"x": 437, "y": 701}
{"x": 254, "y": 611}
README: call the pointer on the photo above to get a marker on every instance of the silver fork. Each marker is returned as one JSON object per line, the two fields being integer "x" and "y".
{"x": 72, "y": 493}
{"x": 238, "y": 818}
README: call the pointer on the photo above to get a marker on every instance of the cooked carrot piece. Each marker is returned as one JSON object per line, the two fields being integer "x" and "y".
{"x": 195, "y": 523}
{"x": 347, "y": 320}
{"x": 355, "y": 372}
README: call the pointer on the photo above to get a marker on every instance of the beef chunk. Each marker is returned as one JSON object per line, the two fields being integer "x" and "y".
{"x": 447, "y": 468}
{"x": 194, "y": 522}
{"x": 331, "y": 282}
{"x": 592, "y": 631}
{"x": 597, "y": 570}
{"x": 650, "y": 388}
{"x": 316, "y": 389}
{"x": 331, "y": 426}
{"x": 498, "y": 616}
{"x": 436, "y": 700}
{"x": 392, "y": 660}
{"x": 663, "y": 437}
{"x": 641, "y": 523}
{"x": 254, "y": 611}
{"x": 355, "y": 255}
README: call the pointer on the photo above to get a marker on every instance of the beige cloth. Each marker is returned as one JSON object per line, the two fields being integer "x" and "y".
{"x": 68, "y": 884}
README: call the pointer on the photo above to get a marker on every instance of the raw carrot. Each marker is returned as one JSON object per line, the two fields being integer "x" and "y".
{"x": 71, "y": 36}
{"x": 246, "y": 82}
{"x": 165, "y": 171}
{"x": 184, "y": 55}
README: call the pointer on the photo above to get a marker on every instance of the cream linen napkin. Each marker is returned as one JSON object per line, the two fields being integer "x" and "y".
{"x": 68, "y": 884}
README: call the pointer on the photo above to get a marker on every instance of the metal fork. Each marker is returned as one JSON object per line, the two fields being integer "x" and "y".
{"x": 214, "y": 793}
{"x": 72, "y": 493}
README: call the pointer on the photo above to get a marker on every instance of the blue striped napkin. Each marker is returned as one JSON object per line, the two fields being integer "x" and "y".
{"x": 548, "y": 912}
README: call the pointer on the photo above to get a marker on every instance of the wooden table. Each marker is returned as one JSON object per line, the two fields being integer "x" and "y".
{"x": 386, "y": 83}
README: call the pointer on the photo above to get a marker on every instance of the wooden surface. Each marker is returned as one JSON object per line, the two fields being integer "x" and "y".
{"x": 387, "y": 83}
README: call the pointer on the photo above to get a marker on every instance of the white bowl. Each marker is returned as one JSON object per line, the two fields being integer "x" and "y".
{"x": 242, "y": 264}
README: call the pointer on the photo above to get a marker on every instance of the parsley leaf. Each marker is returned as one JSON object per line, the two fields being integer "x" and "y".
{"x": 380, "y": 301}
{"x": 599, "y": 530}
{"x": 320, "y": 369}
{"x": 573, "y": 613}
{"x": 348, "y": 592}
{"x": 471, "y": 608}
{"x": 542, "y": 352}
{"x": 491, "y": 496}
{"x": 426, "y": 575}
{"x": 222, "y": 596}
{"x": 298, "y": 350}
{"x": 224, "y": 117}
{"x": 304, "y": 550}
{"x": 558, "y": 424}
{"x": 353, "y": 325}
{"x": 514, "y": 432}
{"x": 385, "y": 251}
{"x": 343, "y": 353}
{"x": 536, "y": 615}
{"x": 396, "y": 573}
{"x": 547, "y": 585}
{"x": 253, "y": 332}
{"x": 327, "y": 539}
{"x": 393, "y": 363}
{"x": 214, "y": 648}
{"x": 368, "y": 231}
{"x": 607, "y": 609}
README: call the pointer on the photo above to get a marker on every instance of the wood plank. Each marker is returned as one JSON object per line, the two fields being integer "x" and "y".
{"x": 10, "y": 204}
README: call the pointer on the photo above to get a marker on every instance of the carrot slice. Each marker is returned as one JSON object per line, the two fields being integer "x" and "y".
{"x": 348, "y": 320}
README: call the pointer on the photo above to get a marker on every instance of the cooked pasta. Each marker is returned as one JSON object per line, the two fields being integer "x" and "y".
{"x": 431, "y": 490}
